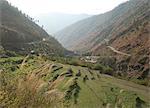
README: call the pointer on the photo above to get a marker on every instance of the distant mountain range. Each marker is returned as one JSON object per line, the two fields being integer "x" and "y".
{"x": 19, "y": 33}
{"x": 54, "y": 22}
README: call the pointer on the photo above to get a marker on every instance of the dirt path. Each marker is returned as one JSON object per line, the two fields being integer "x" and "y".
{"x": 118, "y": 52}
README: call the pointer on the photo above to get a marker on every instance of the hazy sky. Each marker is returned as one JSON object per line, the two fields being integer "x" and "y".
{"x": 34, "y": 7}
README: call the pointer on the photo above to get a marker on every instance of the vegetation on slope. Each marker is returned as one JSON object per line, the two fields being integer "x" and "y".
{"x": 121, "y": 37}
{"x": 19, "y": 33}
{"x": 91, "y": 32}
{"x": 34, "y": 81}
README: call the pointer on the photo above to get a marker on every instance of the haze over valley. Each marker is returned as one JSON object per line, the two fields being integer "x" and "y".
{"x": 54, "y": 22}
{"x": 74, "y": 54}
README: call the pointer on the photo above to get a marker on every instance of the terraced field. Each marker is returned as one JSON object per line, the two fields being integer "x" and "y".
{"x": 35, "y": 82}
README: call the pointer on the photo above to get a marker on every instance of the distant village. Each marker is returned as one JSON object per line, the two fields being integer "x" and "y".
{"x": 90, "y": 59}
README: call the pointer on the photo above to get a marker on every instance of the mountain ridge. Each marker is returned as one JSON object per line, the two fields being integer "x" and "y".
{"x": 125, "y": 29}
{"x": 18, "y": 29}
{"x": 87, "y": 31}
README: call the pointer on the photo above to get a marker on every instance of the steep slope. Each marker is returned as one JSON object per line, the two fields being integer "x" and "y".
{"x": 120, "y": 36}
{"x": 131, "y": 38}
{"x": 131, "y": 50}
{"x": 19, "y": 33}
{"x": 54, "y": 22}
{"x": 88, "y": 33}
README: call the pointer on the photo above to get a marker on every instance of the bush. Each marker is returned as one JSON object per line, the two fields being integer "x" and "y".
{"x": 73, "y": 92}
{"x": 98, "y": 67}
{"x": 108, "y": 70}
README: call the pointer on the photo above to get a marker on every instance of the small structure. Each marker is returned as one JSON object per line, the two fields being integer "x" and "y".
{"x": 32, "y": 52}
{"x": 90, "y": 59}
{"x": 43, "y": 39}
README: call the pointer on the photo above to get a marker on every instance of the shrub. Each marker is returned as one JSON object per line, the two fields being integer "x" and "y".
{"x": 73, "y": 92}
{"x": 98, "y": 67}
{"x": 108, "y": 70}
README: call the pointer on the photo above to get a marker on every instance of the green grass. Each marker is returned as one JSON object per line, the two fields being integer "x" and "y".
{"x": 97, "y": 92}
{"x": 11, "y": 59}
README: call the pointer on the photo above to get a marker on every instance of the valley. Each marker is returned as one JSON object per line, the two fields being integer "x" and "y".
{"x": 98, "y": 61}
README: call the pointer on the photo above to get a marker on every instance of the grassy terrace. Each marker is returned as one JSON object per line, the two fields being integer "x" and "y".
{"x": 36, "y": 82}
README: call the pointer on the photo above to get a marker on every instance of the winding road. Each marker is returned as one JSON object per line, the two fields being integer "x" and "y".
{"x": 118, "y": 52}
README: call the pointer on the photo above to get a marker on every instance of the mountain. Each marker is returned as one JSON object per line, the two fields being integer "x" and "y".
{"x": 121, "y": 52}
{"x": 120, "y": 38}
{"x": 19, "y": 33}
{"x": 90, "y": 32}
{"x": 54, "y": 22}
{"x": 129, "y": 42}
